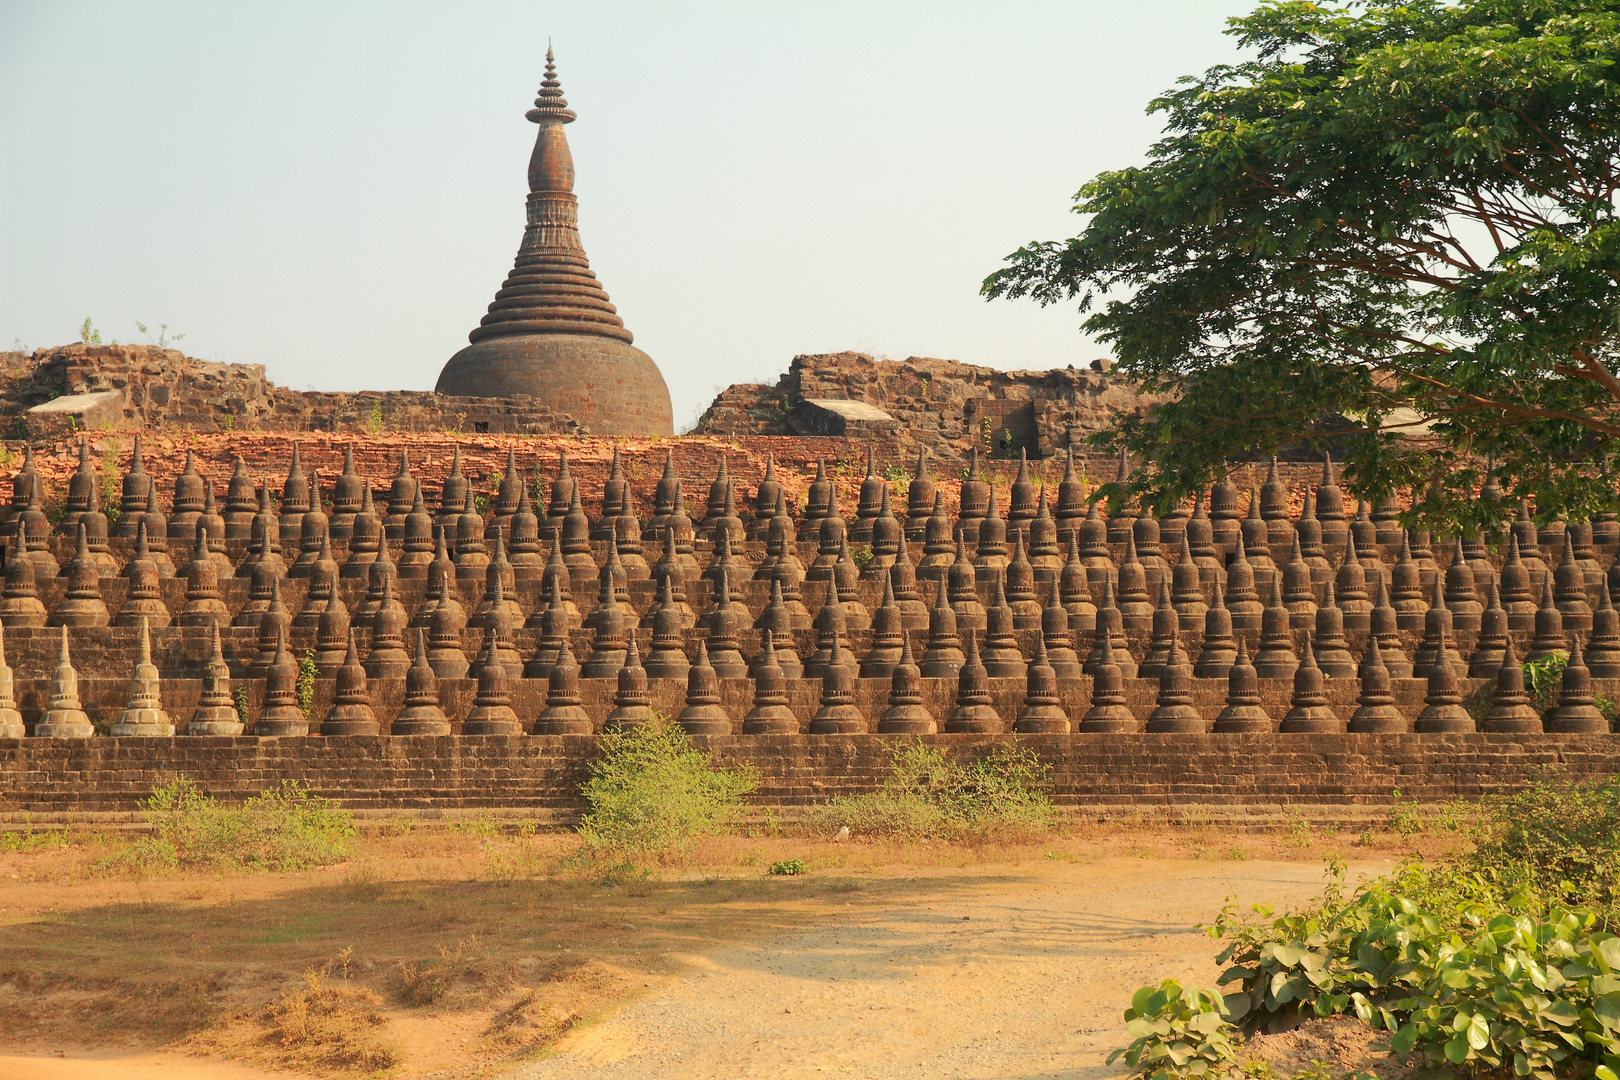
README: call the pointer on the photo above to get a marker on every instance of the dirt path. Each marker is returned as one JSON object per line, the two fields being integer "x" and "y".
{"x": 1020, "y": 975}
{"x": 1015, "y": 972}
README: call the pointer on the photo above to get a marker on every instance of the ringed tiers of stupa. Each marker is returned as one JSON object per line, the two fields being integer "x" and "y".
{"x": 551, "y": 333}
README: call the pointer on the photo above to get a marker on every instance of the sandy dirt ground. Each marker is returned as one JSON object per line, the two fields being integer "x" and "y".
{"x": 91, "y": 1065}
{"x": 1021, "y": 975}
{"x": 1013, "y": 972}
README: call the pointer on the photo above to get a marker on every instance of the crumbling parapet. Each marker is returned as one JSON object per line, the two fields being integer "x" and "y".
{"x": 52, "y": 394}
{"x": 945, "y": 406}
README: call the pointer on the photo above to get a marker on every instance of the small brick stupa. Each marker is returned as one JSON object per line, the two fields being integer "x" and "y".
{"x": 551, "y": 332}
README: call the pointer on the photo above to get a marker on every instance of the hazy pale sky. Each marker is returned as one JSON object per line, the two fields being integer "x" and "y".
{"x": 335, "y": 190}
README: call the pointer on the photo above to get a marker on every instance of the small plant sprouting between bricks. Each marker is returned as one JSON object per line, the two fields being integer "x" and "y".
{"x": 788, "y": 868}
{"x": 898, "y": 479}
{"x": 307, "y": 673}
{"x": 163, "y": 340}
{"x": 112, "y": 485}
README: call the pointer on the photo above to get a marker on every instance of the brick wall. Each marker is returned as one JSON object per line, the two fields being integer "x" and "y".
{"x": 1162, "y": 778}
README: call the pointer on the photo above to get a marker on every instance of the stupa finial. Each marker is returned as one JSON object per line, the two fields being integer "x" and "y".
{"x": 550, "y": 106}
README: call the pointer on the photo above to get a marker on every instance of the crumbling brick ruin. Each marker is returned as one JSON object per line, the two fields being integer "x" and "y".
{"x": 945, "y": 406}
{"x": 1271, "y": 645}
{"x": 56, "y": 393}
{"x": 948, "y": 408}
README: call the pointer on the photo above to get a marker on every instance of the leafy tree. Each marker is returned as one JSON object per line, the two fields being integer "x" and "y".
{"x": 1401, "y": 215}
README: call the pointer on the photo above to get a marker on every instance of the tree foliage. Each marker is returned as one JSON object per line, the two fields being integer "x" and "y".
{"x": 1403, "y": 215}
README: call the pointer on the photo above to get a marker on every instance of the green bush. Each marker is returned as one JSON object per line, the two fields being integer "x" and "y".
{"x": 1464, "y": 980}
{"x": 1556, "y": 838}
{"x": 651, "y": 792}
{"x": 1498, "y": 961}
{"x": 928, "y": 795}
{"x": 1177, "y": 1031}
{"x": 285, "y": 828}
{"x": 788, "y": 868}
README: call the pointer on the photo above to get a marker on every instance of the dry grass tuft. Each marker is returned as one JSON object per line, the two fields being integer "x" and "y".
{"x": 529, "y": 1023}
{"x": 427, "y": 983}
{"x": 329, "y": 1025}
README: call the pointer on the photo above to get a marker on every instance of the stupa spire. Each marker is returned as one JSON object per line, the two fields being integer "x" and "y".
{"x": 551, "y": 331}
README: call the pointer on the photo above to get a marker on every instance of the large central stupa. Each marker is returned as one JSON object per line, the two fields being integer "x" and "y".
{"x": 551, "y": 331}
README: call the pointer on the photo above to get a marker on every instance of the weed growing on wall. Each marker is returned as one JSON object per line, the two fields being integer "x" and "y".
{"x": 307, "y": 672}
{"x": 652, "y": 793}
{"x": 29, "y": 838}
{"x": 1542, "y": 679}
{"x": 539, "y": 487}
{"x": 112, "y": 487}
{"x": 899, "y": 481}
{"x": 163, "y": 339}
{"x": 929, "y": 795}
